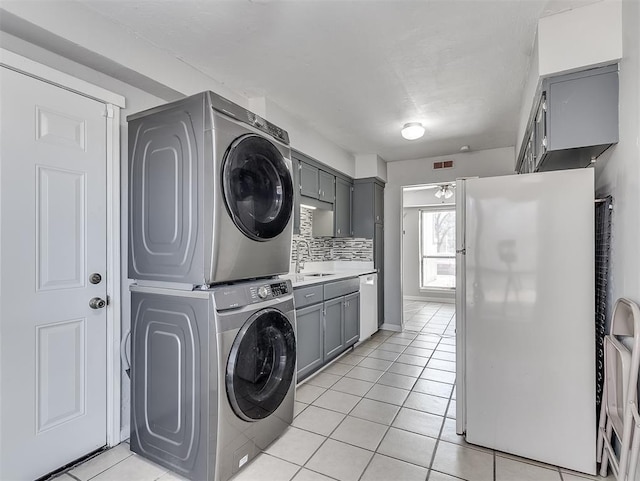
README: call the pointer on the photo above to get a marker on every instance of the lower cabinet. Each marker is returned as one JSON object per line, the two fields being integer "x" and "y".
{"x": 333, "y": 332}
{"x": 309, "y": 323}
{"x": 351, "y": 319}
{"x": 328, "y": 327}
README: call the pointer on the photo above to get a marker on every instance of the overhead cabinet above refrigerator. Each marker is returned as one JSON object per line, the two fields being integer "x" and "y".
{"x": 574, "y": 119}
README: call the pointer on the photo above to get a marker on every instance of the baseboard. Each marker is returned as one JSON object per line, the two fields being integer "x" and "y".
{"x": 444, "y": 300}
{"x": 391, "y": 327}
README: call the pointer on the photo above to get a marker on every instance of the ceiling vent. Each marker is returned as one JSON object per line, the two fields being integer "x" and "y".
{"x": 447, "y": 164}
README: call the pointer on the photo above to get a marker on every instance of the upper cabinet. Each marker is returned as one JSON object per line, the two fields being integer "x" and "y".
{"x": 316, "y": 183}
{"x": 368, "y": 206}
{"x": 573, "y": 121}
{"x": 326, "y": 187}
{"x": 342, "y": 209}
{"x": 328, "y": 191}
{"x": 309, "y": 180}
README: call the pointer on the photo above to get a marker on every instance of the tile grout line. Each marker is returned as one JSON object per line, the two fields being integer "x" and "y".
{"x": 375, "y": 451}
{"x": 400, "y": 407}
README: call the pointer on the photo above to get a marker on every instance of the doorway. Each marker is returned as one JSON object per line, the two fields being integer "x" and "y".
{"x": 428, "y": 247}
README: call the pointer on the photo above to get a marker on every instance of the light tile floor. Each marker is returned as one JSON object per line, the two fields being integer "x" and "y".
{"x": 384, "y": 412}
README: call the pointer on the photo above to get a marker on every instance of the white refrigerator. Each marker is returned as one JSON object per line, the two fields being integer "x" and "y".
{"x": 525, "y": 326}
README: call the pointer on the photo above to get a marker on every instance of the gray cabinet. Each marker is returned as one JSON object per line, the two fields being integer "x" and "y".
{"x": 368, "y": 222}
{"x": 368, "y": 206}
{"x": 316, "y": 183}
{"x": 328, "y": 322}
{"x": 573, "y": 121}
{"x": 333, "y": 334}
{"x": 326, "y": 187}
{"x": 351, "y": 309}
{"x": 342, "y": 208}
{"x": 309, "y": 324}
{"x": 295, "y": 167}
{"x": 309, "y": 180}
{"x": 378, "y": 203}
{"x": 539, "y": 133}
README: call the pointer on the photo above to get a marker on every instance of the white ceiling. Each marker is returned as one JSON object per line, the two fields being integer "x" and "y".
{"x": 356, "y": 71}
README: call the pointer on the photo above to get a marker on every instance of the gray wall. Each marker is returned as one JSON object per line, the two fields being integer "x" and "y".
{"x": 484, "y": 163}
{"x": 411, "y": 254}
{"x": 618, "y": 170}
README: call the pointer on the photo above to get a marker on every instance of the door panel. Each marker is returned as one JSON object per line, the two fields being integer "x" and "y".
{"x": 309, "y": 180}
{"x": 53, "y": 237}
{"x": 351, "y": 318}
{"x": 309, "y": 339}
{"x": 333, "y": 332}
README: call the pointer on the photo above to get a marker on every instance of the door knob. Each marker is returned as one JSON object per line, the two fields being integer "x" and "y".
{"x": 95, "y": 278}
{"x": 97, "y": 303}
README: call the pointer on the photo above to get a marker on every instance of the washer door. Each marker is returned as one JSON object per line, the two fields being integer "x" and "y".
{"x": 257, "y": 186}
{"x": 261, "y": 365}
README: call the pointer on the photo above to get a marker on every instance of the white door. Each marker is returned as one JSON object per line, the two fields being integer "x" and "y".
{"x": 52, "y": 239}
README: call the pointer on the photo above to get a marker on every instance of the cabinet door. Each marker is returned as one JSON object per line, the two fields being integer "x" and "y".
{"x": 351, "y": 319}
{"x": 378, "y": 263}
{"x": 540, "y": 131}
{"x": 326, "y": 187}
{"x": 295, "y": 167}
{"x": 378, "y": 204}
{"x": 342, "y": 208}
{"x": 308, "y": 180}
{"x": 333, "y": 331}
{"x": 583, "y": 109}
{"x": 363, "y": 217}
{"x": 309, "y": 339}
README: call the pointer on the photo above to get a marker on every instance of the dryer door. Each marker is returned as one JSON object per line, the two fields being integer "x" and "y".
{"x": 261, "y": 365}
{"x": 257, "y": 186}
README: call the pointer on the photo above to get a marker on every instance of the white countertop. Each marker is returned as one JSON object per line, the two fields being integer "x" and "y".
{"x": 331, "y": 270}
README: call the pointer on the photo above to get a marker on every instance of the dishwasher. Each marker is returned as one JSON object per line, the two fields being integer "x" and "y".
{"x": 368, "y": 305}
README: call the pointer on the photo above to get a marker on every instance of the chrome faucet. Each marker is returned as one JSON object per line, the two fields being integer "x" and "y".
{"x": 299, "y": 261}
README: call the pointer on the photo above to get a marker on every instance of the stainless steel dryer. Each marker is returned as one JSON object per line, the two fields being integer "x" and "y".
{"x": 213, "y": 375}
{"x": 210, "y": 193}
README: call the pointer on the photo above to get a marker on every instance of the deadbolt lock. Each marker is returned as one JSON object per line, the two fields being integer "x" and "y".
{"x": 95, "y": 278}
{"x": 97, "y": 303}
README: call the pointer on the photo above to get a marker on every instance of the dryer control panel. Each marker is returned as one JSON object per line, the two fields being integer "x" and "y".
{"x": 239, "y": 295}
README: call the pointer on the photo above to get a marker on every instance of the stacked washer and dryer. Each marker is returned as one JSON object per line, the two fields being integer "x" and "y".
{"x": 213, "y": 355}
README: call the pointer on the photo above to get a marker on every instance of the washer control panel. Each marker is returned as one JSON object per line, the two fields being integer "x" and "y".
{"x": 268, "y": 291}
{"x": 238, "y": 295}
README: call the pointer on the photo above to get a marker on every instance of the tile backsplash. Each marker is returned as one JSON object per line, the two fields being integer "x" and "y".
{"x": 327, "y": 248}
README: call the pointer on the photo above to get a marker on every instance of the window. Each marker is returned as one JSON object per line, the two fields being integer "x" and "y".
{"x": 438, "y": 248}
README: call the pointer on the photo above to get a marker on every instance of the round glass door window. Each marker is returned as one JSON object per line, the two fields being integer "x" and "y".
{"x": 261, "y": 365}
{"x": 257, "y": 186}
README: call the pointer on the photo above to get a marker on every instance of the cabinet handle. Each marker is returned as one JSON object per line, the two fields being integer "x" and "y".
{"x": 307, "y": 296}
{"x": 338, "y": 231}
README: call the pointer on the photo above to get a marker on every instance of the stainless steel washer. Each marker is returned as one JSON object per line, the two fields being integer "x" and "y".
{"x": 210, "y": 193}
{"x": 213, "y": 375}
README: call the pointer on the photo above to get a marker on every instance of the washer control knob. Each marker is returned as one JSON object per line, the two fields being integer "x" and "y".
{"x": 263, "y": 292}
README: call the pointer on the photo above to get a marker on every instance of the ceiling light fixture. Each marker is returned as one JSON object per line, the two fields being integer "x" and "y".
{"x": 412, "y": 130}
{"x": 445, "y": 191}
{"x": 465, "y": 148}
